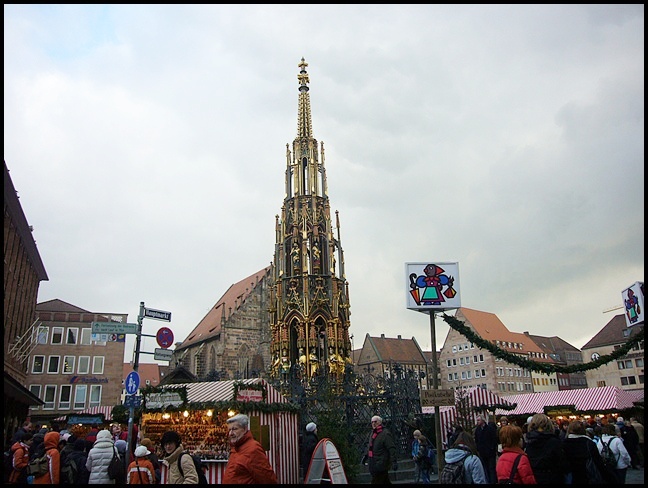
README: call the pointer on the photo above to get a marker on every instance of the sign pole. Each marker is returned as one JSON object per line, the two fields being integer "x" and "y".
{"x": 435, "y": 385}
{"x": 131, "y": 410}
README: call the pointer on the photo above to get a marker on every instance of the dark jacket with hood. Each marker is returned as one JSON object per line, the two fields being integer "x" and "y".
{"x": 547, "y": 457}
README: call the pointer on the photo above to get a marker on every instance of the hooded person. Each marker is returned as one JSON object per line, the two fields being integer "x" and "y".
{"x": 140, "y": 470}
{"x": 52, "y": 477}
{"x": 152, "y": 456}
{"x": 99, "y": 458}
{"x": 20, "y": 457}
{"x": 309, "y": 442}
{"x": 121, "y": 446}
{"x": 79, "y": 456}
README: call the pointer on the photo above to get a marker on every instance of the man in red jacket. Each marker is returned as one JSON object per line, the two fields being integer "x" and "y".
{"x": 248, "y": 463}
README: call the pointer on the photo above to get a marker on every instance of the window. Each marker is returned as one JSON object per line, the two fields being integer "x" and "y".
{"x": 481, "y": 358}
{"x": 469, "y": 374}
{"x": 72, "y": 336}
{"x": 449, "y": 376}
{"x": 65, "y": 397}
{"x": 460, "y": 347}
{"x": 57, "y": 335}
{"x": 474, "y": 359}
{"x": 628, "y": 380}
{"x": 477, "y": 373}
{"x": 50, "y": 397}
{"x": 625, "y": 364}
{"x": 79, "y": 396}
{"x": 639, "y": 363}
{"x": 467, "y": 359}
{"x": 463, "y": 375}
{"x": 483, "y": 373}
{"x": 461, "y": 361}
{"x": 43, "y": 332}
{"x": 84, "y": 365}
{"x": 68, "y": 364}
{"x": 39, "y": 365}
{"x": 53, "y": 364}
{"x": 36, "y": 391}
{"x": 86, "y": 336}
{"x": 95, "y": 395}
{"x": 97, "y": 365}
{"x": 455, "y": 376}
{"x": 448, "y": 363}
{"x": 454, "y": 348}
{"x": 454, "y": 362}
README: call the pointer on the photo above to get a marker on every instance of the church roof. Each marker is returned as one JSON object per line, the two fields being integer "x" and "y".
{"x": 233, "y": 298}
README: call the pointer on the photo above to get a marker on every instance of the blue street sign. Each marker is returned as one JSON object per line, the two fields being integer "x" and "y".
{"x": 133, "y": 401}
{"x": 132, "y": 382}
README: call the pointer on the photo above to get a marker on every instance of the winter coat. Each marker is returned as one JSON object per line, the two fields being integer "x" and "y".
{"x": 547, "y": 457}
{"x": 524, "y": 475}
{"x": 248, "y": 463}
{"x": 52, "y": 477}
{"x": 188, "y": 468}
{"x": 419, "y": 452}
{"x": 382, "y": 452}
{"x": 309, "y": 442}
{"x": 486, "y": 440}
{"x": 79, "y": 457}
{"x": 617, "y": 447}
{"x": 20, "y": 461}
{"x": 99, "y": 458}
{"x": 473, "y": 467}
{"x": 140, "y": 472}
{"x": 578, "y": 449}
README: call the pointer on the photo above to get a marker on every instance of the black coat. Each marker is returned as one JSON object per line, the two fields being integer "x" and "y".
{"x": 547, "y": 457}
{"x": 578, "y": 450}
{"x": 309, "y": 442}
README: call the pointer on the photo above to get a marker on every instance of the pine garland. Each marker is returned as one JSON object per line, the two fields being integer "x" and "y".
{"x": 545, "y": 368}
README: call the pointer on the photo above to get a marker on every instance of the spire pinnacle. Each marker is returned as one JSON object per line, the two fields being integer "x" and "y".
{"x": 304, "y": 124}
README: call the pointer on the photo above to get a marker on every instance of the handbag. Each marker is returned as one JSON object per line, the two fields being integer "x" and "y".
{"x": 509, "y": 480}
{"x": 116, "y": 469}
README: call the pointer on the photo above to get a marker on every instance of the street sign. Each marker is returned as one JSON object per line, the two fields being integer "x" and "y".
{"x": 133, "y": 401}
{"x": 132, "y": 382}
{"x": 164, "y": 337}
{"x": 157, "y": 314}
{"x": 163, "y": 354}
{"x": 437, "y": 398}
{"x": 113, "y": 328}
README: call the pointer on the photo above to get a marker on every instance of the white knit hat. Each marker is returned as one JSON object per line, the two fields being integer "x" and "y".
{"x": 311, "y": 426}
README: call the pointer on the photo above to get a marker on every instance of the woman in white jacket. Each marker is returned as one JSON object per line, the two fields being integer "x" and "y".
{"x": 617, "y": 447}
{"x": 99, "y": 458}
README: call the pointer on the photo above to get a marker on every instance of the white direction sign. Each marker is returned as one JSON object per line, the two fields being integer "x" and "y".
{"x": 157, "y": 314}
{"x": 163, "y": 354}
{"x": 113, "y": 328}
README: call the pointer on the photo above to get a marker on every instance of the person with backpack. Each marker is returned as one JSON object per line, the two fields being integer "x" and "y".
{"x": 180, "y": 469}
{"x": 19, "y": 459}
{"x": 76, "y": 459}
{"x": 140, "y": 470}
{"x": 53, "y": 474}
{"x": 152, "y": 456}
{"x": 614, "y": 453}
{"x": 462, "y": 464}
{"x": 247, "y": 463}
{"x": 421, "y": 447}
{"x": 510, "y": 437}
{"x": 584, "y": 459}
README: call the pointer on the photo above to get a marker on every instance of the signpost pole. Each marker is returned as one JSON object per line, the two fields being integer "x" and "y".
{"x": 131, "y": 410}
{"x": 435, "y": 385}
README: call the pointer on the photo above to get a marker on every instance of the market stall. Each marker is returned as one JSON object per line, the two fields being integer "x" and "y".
{"x": 198, "y": 412}
{"x": 473, "y": 401}
{"x": 604, "y": 399}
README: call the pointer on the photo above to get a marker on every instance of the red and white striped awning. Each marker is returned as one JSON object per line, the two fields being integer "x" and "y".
{"x": 603, "y": 398}
{"x": 477, "y": 397}
{"x": 106, "y": 411}
{"x": 220, "y": 391}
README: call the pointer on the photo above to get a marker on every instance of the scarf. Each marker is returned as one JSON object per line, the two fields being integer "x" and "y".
{"x": 376, "y": 431}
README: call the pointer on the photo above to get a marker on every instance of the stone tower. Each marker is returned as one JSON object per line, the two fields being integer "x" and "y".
{"x": 309, "y": 294}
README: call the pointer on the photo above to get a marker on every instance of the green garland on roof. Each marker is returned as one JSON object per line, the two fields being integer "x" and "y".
{"x": 545, "y": 368}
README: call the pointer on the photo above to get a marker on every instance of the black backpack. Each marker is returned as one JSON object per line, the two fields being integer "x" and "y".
{"x": 452, "y": 473}
{"x": 202, "y": 479}
{"x": 609, "y": 459}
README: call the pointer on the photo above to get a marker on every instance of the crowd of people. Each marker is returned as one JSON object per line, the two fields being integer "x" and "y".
{"x": 70, "y": 460}
{"x": 543, "y": 451}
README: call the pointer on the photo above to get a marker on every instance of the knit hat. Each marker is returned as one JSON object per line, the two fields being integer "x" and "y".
{"x": 529, "y": 419}
{"x": 146, "y": 442}
{"x": 121, "y": 446}
{"x": 620, "y": 421}
{"x": 104, "y": 435}
{"x": 311, "y": 426}
{"x": 142, "y": 451}
{"x": 416, "y": 433}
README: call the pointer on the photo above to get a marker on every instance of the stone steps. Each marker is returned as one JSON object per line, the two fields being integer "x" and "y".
{"x": 406, "y": 474}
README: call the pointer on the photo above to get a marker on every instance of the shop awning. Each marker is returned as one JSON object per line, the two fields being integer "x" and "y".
{"x": 604, "y": 398}
{"x": 221, "y": 391}
{"x": 106, "y": 411}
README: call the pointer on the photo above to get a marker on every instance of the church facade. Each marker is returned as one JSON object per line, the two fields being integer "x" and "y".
{"x": 292, "y": 317}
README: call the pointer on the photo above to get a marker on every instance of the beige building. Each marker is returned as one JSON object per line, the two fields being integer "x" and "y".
{"x": 626, "y": 372}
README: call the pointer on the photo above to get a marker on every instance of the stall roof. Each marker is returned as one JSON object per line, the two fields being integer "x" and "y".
{"x": 585, "y": 400}
{"x": 220, "y": 391}
{"x": 478, "y": 397}
{"x": 106, "y": 411}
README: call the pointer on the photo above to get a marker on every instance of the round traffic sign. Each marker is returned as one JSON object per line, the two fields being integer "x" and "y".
{"x": 132, "y": 382}
{"x": 164, "y": 337}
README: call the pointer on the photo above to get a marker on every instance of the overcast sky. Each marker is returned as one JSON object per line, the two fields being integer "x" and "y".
{"x": 147, "y": 145}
